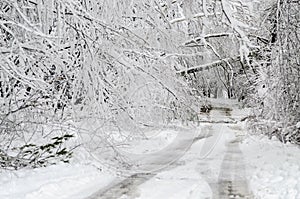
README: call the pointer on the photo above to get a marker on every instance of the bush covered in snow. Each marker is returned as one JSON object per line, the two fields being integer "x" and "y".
{"x": 32, "y": 155}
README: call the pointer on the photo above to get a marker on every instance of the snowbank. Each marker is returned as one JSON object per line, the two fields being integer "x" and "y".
{"x": 58, "y": 181}
{"x": 273, "y": 168}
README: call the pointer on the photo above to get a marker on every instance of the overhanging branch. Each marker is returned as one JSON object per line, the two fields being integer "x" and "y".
{"x": 207, "y": 66}
{"x": 198, "y": 15}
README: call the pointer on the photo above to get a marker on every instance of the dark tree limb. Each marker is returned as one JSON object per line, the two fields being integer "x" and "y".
{"x": 207, "y": 66}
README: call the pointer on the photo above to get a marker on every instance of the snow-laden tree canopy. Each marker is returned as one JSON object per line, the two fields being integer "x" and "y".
{"x": 125, "y": 64}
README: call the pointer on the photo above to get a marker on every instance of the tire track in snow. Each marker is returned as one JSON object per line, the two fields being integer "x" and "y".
{"x": 149, "y": 167}
{"x": 232, "y": 182}
{"x": 126, "y": 187}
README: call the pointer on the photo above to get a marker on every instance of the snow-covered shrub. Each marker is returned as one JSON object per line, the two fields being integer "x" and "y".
{"x": 32, "y": 155}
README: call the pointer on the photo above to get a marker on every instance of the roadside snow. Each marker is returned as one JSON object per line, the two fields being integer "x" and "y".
{"x": 61, "y": 181}
{"x": 273, "y": 168}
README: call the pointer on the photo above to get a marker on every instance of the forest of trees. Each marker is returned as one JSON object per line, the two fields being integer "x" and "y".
{"x": 133, "y": 64}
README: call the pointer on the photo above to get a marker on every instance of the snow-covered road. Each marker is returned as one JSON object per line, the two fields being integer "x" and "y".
{"x": 211, "y": 138}
{"x": 217, "y": 159}
{"x": 149, "y": 165}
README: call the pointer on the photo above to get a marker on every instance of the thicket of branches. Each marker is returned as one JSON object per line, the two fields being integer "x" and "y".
{"x": 64, "y": 62}
{"x": 277, "y": 82}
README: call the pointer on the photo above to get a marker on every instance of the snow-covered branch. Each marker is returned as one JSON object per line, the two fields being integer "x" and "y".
{"x": 238, "y": 26}
{"x": 207, "y": 36}
{"x": 198, "y": 15}
{"x": 207, "y": 66}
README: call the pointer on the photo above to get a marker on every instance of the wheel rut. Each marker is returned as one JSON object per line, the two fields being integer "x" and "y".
{"x": 126, "y": 187}
{"x": 147, "y": 167}
{"x": 232, "y": 182}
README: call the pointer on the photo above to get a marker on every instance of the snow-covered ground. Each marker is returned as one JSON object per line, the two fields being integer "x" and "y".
{"x": 273, "y": 168}
{"x": 202, "y": 161}
{"x": 58, "y": 181}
